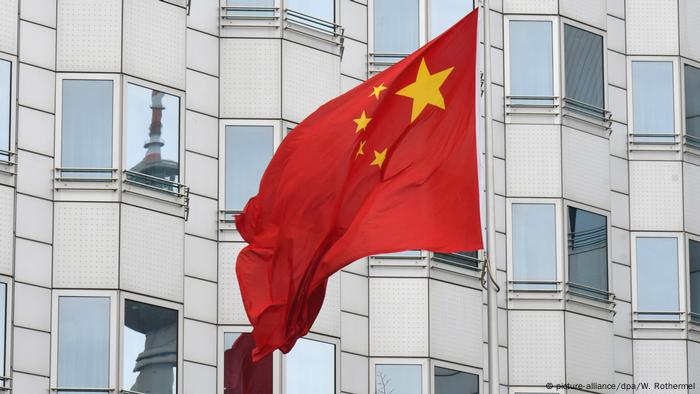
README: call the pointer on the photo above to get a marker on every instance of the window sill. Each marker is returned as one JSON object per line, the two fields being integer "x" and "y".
{"x": 590, "y": 301}
{"x": 86, "y": 179}
{"x": 641, "y": 142}
{"x": 156, "y": 189}
{"x": 537, "y": 109}
{"x": 535, "y": 294}
{"x": 379, "y": 62}
{"x": 586, "y": 117}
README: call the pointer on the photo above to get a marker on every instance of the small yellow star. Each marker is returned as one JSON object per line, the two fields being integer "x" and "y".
{"x": 379, "y": 158}
{"x": 377, "y": 90}
{"x": 361, "y": 122}
{"x": 360, "y": 150}
{"x": 426, "y": 89}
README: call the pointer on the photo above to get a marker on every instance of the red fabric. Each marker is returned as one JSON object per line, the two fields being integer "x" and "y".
{"x": 241, "y": 375}
{"x": 322, "y": 206}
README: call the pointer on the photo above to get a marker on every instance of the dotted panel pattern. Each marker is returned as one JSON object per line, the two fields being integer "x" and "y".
{"x": 530, "y": 6}
{"x": 8, "y": 26}
{"x": 455, "y": 323}
{"x": 533, "y": 161}
{"x": 398, "y": 317}
{"x": 154, "y": 41}
{"x": 86, "y": 245}
{"x": 328, "y": 320}
{"x": 536, "y": 347}
{"x": 308, "y": 73}
{"x": 250, "y": 78}
{"x": 592, "y": 12}
{"x": 691, "y": 184}
{"x": 152, "y": 256}
{"x": 690, "y": 29}
{"x": 589, "y": 358}
{"x": 660, "y": 361}
{"x": 652, "y": 27}
{"x": 656, "y": 197}
{"x": 7, "y": 206}
{"x": 231, "y": 309}
{"x": 89, "y": 35}
{"x": 586, "y": 168}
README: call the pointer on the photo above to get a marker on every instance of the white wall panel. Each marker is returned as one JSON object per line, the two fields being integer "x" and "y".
{"x": 198, "y": 378}
{"x": 622, "y": 321}
{"x": 398, "y": 317}
{"x": 617, "y": 101}
{"x": 354, "y": 290}
{"x": 86, "y": 246}
{"x": 623, "y": 355}
{"x": 353, "y": 17}
{"x": 250, "y": 78}
{"x": 39, "y": 11}
{"x": 354, "y": 62}
{"x": 7, "y": 207}
{"x": 347, "y": 83}
{"x": 656, "y": 196}
{"x": 652, "y": 27}
{"x": 586, "y": 168}
{"x": 533, "y": 160}
{"x": 199, "y": 342}
{"x": 33, "y": 307}
{"x": 202, "y": 52}
{"x": 354, "y": 333}
{"x": 231, "y": 310}
{"x": 616, "y": 34}
{"x": 455, "y": 323}
{"x": 32, "y": 216}
{"x": 536, "y": 347}
{"x": 617, "y": 69}
{"x": 200, "y": 300}
{"x": 328, "y": 319}
{"x": 200, "y": 258}
{"x": 497, "y": 66}
{"x": 37, "y": 45}
{"x": 202, "y": 93}
{"x": 691, "y": 191}
{"x": 151, "y": 253}
{"x": 620, "y": 245}
{"x": 616, "y": 8}
{"x": 38, "y": 88}
{"x": 497, "y": 102}
{"x": 204, "y": 16}
{"x": 32, "y": 262}
{"x": 201, "y": 174}
{"x": 499, "y": 174}
{"x": 31, "y": 351}
{"x": 619, "y": 210}
{"x": 618, "y": 140}
{"x": 154, "y": 41}
{"x": 660, "y": 361}
{"x": 589, "y": 358}
{"x": 530, "y": 6}
{"x": 203, "y": 217}
{"x": 310, "y": 78}
{"x": 619, "y": 175}
{"x": 591, "y": 12}
{"x": 89, "y": 35}
{"x": 8, "y": 26}
{"x": 202, "y": 133}
{"x": 496, "y": 30}
{"x": 35, "y": 130}
{"x": 694, "y": 365}
{"x": 29, "y": 384}
{"x": 354, "y": 374}
{"x": 35, "y": 174}
{"x": 689, "y": 15}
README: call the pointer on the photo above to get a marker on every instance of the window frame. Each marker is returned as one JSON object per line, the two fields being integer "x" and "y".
{"x": 113, "y": 342}
{"x": 428, "y": 25}
{"x": 422, "y": 29}
{"x": 14, "y": 65}
{"x": 684, "y": 130}
{"x": 682, "y": 262}
{"x": 426, "y": 370}
{"x": 457, "y": 367}
{"x": 313, "y": 337}
{"x": 123, "y": 296}
{"x": 686, "y": 268}
{"x": 9, "y": 318}
{"x": 678, "y": 119}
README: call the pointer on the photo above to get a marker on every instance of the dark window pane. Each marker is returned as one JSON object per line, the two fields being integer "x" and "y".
{"x": 461, "y": 259}
{"x": 694, "y": 258}
{"x": 5, "y": 91}
{"x": 398, "y": 378}
{"x": 241, "y": 376}
{"x": 150, "y": 348}
{"x": 657, "y": 276}
{"x": 588, "y": 253}
{"x": 534, "y": 246}
{"x": 248, "y": 152}
{"x": 449, "y": 381}
{"x": 583, "y": 53}
{"x": 652, "y": 99}
{"x": 310, "y": 368}
{"x": 445, "y": 13}
{"x": 396, "y": 26}
{"x": 692, "y": 103}
{"x": 531, "y": 61}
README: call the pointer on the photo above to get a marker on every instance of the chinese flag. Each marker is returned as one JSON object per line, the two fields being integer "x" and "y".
{"x": 389, "y": 166}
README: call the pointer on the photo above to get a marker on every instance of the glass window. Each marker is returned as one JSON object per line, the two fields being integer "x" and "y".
{"x": 534, "y": 246}
{"x": 86, "y": 124}
{"x": 461, "y": 259}
{"x": 450, "y": 381}
{"x": 657, "y": 277}
{"x": 83, "y": 342}
{"x": 652, "y": 99}
{"x": 150, "y": 348}
{"x": 583, "y": 65}
{"x": 237, "y": 366}
{"x": 694, "y": 257}
{"x": 152, "y": 133}
{"x": 531, "y": 62}
{"x": 398, "y": 378}
{"x": 248, "y": 152}
{"x": 588, "y": 253}
{"x": 321, "y": 9}
{"x": 445, "y": 13}
{"x": 692, "y": 104}
{"x": 250, "y": 7}
{"x": 310, "y": 368}
{"x": 5, "y": 108}
{"x": 395, "y": 27}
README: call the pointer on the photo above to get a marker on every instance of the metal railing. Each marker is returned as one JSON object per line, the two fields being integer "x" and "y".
{"x": 532, "y": 105}
{"x": 662, "y": 316}
{"x": 83, "y": 389}
{"x": 81, "y": 178}
{"x": 587, "y": 113}
{"x": 590, "y": 297}
{"x": 691, "y": 141}
{"x": 668, "y": 139}
{"x": 694, "y": 317}
{"x": 179, "y": 191}
{"x": 535, "y": 286}
{"x": 227, "y": 220}
{"x": 313, "y": 27}
{"x": 7, "y": 159}
{"x": 459, "y": 259}
{"x": 230, "y": 14}
{"x": 379, "y": 61}
{"x": 5, "y": 380}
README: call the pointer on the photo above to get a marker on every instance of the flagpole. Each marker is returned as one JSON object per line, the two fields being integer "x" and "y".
{"x": 492, "y": 302}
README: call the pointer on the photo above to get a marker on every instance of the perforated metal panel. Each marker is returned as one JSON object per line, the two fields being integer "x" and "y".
{"x": 589, "y": 358}
{"x": 652, "y": 27}
{"x": 592, "y": 12}
{"x": 250, "y": 85}
{"x": 586, "y": 168}
{"x": 455, "y": 323}
{"x": 530, "y": 6}
{"x": 8, "y": 26}
{"x": 328, "y": 319}
{"x": 89, "y": 35}
{"x": 691, "y": 186}
{"x": 536, "y": 347}
{"x": 7, "y": 207}
{"x": 308, "y": 73}
{"x": 533, "y": 161}
{"x": 398, "y": 317}
{"x": 656, "y": 196}
{"x": 231, "y": 310}
{"x": 86, "y": 246}
{"x": 152, "y": 253}
{"x": 660, "y": 361}
{"x": 154, "y": 41}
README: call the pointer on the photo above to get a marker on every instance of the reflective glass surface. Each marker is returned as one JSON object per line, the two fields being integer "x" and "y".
{"x": 310, "y": 368}
{"x": 692, "y": 103}
{"x": 694, "y": 259}
{"x": 398, "y": 378}
{"x": 248, "y": 152}
{"x": 588, "y": 253}
{"x": 450, "y": 381}
{"x": 534, "y": 245}
{"x": 445, "y": 13}
{"x": 652, "y": 100}
{"x": 5, "y": 92}
{"x": 321, "y": 9}
{"x": 531, "y": 62}
{"x": 657, "y": 277}
{"x": 396, "y": 26}
{"x": 583, "y": 68}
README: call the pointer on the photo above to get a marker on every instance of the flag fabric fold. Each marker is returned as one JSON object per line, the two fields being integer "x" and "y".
{"x": 389, "y": 166}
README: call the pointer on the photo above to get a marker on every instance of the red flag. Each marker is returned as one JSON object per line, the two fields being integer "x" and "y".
{"x": 241, "y": 375}
{"x": 389, "y": 166}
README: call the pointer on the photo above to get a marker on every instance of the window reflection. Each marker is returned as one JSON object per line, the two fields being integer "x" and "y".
{"x": 652, "y": 100}
{"x": 310, "y": 368}
{"x": 445, "y": 13}
{"x": 398, "y": 378}
{"x": 588, "y": 253}
{"x": 534, "y": 246}
{"x": 321, "y": 9}
{"x": 241, "y": 375}
{"x": 83, "y": 342}
{"x": 5, "y": 92}
{"x": 692, "y": 104}
{"x": 583, "y": 69}
{"x": 250, "y": 7}
{"x": 657, "y": 277}
{"x": 150, "y": 348}
{"x": 395, "y": 27}
{"x": 531, "y": 80}
{"x": 450, "y": 381}
{"x": 694, "y": 259}
{"x": 248, "y": 152}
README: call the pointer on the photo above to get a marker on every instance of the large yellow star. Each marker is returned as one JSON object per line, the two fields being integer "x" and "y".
{"x": 360, "y": 150}
{"x": 426, "y": 89}
{"x": 361, "y": 122}
{"x": 379, "y": 158}
{"x": 377, "y": 90}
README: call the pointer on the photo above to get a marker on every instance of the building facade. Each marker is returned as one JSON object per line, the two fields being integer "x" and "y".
{"x": 131, "y": 132}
